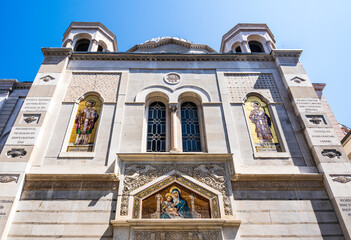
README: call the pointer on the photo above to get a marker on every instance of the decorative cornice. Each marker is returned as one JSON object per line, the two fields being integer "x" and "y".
{"x": 159, "y": 157}
{"x": 128, "y": 56}
{"x": 276, "y": 53}
{"x": 176, "y": 223}
{"x": 56, "y": 51}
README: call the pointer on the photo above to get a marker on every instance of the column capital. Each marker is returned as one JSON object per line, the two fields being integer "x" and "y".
{"x": 173, "y": 107}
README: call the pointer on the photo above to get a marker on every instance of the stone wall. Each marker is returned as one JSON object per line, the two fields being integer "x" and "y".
{"x": 66, "y": 213}
{"x": 289, "y": 214}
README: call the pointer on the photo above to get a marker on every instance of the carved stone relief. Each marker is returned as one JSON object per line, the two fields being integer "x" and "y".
{"x": 240, "y": 84}
{"x": 15, "y": 153}
{"x": 288, "y": 60}
{"x": 8, "y": 178}
{"x": 137, "y": 175}
{"x": 341, "y": 179}
{"x": 178, "y": 235}
{"x": 316, "y": 119}
{"x": 47, "y": 78}
{"x": 105, "y": 84}
{"x": 172, "y": 78}
{"x": 331, "y": 153}
{"x": 31, "y": 119}
{"x": 298, "y": 80}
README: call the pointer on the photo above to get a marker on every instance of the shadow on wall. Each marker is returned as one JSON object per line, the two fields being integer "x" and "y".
{"x": 75, "y": 214}
{"x": 300, "y": 212}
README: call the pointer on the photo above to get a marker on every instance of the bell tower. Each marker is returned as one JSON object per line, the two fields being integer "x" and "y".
{"x": 89, "y": 37}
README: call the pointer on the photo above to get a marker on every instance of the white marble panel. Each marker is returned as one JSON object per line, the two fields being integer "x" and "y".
{"x": 36, "y": 104}
{"x": 23, "y": 136}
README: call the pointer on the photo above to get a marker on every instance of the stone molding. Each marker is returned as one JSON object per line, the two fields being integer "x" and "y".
{"x": 278, "y": 182}
{"x": 125, "y": 56}
{"x": 159, "y": 157}
{"x": 176, "y": 223}
{"x": 71, "y": 182}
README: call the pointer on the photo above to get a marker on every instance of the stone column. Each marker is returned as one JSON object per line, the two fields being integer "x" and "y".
{"x": 69, "y": 43}
{"x": 269, "y": 46}
{"x": 328, "y": 154}
{"x": 93, "y": 45}
{"x": 174, "y": 127}
{"x": 245, "y": 47}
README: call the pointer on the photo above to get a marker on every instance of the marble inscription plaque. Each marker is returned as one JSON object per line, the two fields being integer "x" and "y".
{"x": 345, "y": 206}
{"x": 5, "y": 207}
{"x": 36, "y": 104}
{"x": 23, "y": 135}
{"x": 309, "y": 105}
{"x": 322, "y": 136}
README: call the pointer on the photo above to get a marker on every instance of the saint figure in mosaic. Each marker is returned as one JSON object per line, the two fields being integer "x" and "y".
{"x": 85, "y": 122}
{"x": 84, "y": 125}
{"x": 262, "y": 122}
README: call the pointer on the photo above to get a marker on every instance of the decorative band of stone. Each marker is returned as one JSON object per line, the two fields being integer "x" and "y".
{"x": 278, "y": 182}
{"x": 147, "y": 157}
{"x": 278, "y": 177}
{"x": 71, "y": 182}
{"x": 123, "y": 56}
{"x": 176, "y": 223}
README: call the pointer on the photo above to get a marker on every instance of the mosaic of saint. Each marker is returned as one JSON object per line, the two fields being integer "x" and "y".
{"x": 175, "y": 202}
{"x": 262, "y": 129}
{"x": 84, "y": 127}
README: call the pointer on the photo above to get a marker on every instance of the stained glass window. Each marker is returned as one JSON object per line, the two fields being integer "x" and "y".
{"x": 156, "y": 128}
{"x": 190, "y": 128}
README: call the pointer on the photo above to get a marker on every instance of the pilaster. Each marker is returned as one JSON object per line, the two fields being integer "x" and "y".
{"x": 329, "y": 155}
{"x": 29, "y": 136}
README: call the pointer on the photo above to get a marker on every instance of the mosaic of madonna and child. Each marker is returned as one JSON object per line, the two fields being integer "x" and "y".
{"x": 175, "y": 202}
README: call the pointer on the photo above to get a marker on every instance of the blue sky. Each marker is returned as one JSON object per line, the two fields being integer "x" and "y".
{"x": 321, "y": 28}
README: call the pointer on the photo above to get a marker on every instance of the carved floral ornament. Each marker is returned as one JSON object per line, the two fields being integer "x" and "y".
{"x": 137, "y": 175}
{"x": 8, "y": 178}
{"x": 298, "y": 80}
{"x": 172, "y": 78}
{"x": 14, "y": 153}
{"x": 178, "y": 235}
{"x": 331, "y": 153}
{"x": 341, "y": 179}
{"x": 47, "y": 78}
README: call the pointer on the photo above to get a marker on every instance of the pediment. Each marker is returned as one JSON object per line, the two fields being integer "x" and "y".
{"x": 203, "y": 181}
{"x": 197, "y": 201}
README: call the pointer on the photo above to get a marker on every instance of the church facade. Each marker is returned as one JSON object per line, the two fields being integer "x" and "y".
{"x": 173, "y": 140}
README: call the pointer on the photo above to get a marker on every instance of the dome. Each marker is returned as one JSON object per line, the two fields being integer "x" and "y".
{"x": 170, "y": 45}
{"x": 158, "y": 39}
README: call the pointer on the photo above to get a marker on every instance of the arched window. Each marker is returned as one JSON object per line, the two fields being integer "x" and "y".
{"x": 85, "y": 123}
{"x": 82, "y": 45}
{"x": 261, "y": 125}
{"x": 255, "y": 46}
{"x": 191, "y": 137}
{"x": 100, "y": 48}
{"x": 156, "y": 127}
{"x": 238, "y": 49}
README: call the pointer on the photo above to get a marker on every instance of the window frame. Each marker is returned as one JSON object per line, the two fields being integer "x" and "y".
{"x": 278, "y": 129}
{"x": 201, "y": 123}
{"x": 149, "y": 101}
